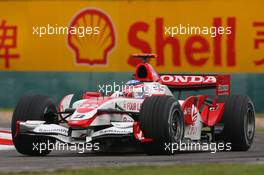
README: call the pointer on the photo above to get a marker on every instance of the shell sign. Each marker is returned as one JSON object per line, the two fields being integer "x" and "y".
{"x": 100, "y": 36}
{"x": 92, "y": 49}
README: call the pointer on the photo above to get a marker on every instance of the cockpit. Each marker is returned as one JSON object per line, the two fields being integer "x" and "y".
{"x": 138, "y": 89}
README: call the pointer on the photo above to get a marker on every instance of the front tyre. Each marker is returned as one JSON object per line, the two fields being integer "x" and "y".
{"x": 161, "y": 118}
{"x": 33, "y": 108}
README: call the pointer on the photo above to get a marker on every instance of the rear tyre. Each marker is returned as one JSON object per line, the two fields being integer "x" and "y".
{"x": 161, "y": 118}
{"x": 239, "y": 122}
{"x": 33, "y": 108}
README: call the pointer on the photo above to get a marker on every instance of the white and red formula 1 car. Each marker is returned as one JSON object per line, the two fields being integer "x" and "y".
{"x": 150, "y": 111}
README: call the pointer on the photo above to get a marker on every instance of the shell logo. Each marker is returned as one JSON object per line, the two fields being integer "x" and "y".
{"x": 93, "y": 48}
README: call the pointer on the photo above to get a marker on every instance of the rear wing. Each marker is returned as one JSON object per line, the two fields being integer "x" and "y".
{"x": 194, "y": 82}
{"x": 146, "y": 73}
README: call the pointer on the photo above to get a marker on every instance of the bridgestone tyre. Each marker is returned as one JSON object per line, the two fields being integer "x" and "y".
{"x": 161, "y": 118}
{"x": 238, "y": 121}
{"x": 33, "y": 108}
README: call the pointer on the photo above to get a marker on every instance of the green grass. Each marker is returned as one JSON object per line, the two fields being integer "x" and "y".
{"x": 260, "y": 115}
{"x": 259, "y": 130}
{"x": 196, "y": 169}
{"x": 6, "y": 109}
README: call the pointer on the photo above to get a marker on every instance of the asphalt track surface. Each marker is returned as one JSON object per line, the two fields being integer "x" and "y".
{"x": 11, "y": 161}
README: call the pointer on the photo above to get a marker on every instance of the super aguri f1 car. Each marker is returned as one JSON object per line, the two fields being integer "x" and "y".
{"x": 149, "y": 112}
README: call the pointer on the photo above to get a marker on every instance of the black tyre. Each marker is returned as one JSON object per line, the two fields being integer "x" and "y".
{"x": 32, "y": 108}
{"x": 238, "y": 121}
{"x": 161, "y": 118}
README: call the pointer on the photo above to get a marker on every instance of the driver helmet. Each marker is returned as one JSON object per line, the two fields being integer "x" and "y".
{"x": 134, "y": 88}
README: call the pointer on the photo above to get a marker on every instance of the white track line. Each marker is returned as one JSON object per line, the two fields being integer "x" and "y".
{"x": 5, "y": 136}
{"x": 6, "y": 147}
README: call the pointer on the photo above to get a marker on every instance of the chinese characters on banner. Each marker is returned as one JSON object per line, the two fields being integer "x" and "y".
{"x": 259, "y": 40}
{"x": 8, "y": 42}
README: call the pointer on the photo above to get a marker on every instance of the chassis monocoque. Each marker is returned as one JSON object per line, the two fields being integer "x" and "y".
{"x": 145, "y": 113}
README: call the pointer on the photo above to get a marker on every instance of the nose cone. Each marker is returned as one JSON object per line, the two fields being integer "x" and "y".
{"x": 81, "y": 123}
{"x": 86, "y": 113}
